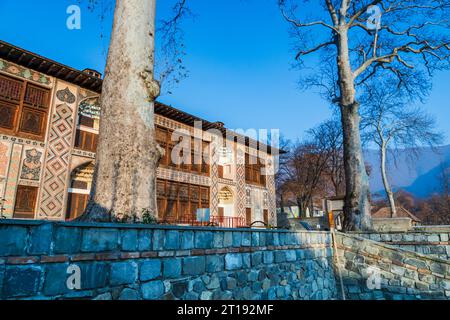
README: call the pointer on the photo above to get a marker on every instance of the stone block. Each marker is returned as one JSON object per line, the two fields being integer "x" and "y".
{"x": 255, "y": 239}
{"x": 194, "y": 265}
{"x": 145, "y": 240}
{"x": 150, "y": 269}
{"x": 233, "y": 261}
{"x": 94, "y": 275}
{"x": 129, "y": 294}
{"x": 214, "y": 283}
{"x": 172, "y": 268}
{"x": 280, "y": 256}
{"x": 97, "y": 240}
{"x": 187, "y": 240}
{"x": 41, "y": 239}
{"x": 246, "y": 239}
{"x": 129, "y": 240}
{"x": 179, "y": 288}
{"x": 444, "y": 237}
{"x": 20, "y": 281}
{"x": 206, "y": 295}
{"x": 228, "y": 239}
{"x": 204, "y": 240}
{"x": 257, "y": 259}
{"x": 438, "y": 268}
{"x": 123, "y": 273}
{"x": 158, "y": 240}
{"x": 416, "y": 263}
{"x": 268, "y": 257}
{"x": 237, "y": 238}
{"x": 433, "y": 238}
{"x": 55, "y": 282}
{"x": 214, "y": 263}
{"x": 246, "y": 261}
{"x": 172, "y": 240}
{"x": 218, "y": 239}
{"x": 13, "y": 240}
{"x": 67, "y": 240}
{"x": 291, "y": 255}
{"x": 152, "y": 290}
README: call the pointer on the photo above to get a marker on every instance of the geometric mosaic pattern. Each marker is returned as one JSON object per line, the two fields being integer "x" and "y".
{"x": 271, "y": 199}
{"x": 57, "y": 163}
{"x": 240, "y": 182}
{"x": 214, "y": 189}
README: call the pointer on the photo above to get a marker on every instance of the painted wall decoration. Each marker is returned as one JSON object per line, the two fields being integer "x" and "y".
{"x": 12, "y": 179}
{"x": 66, "y": 96}
{"x": 240, "y": 181}
{"x": 58, "y": 153}
{"x": 4, "y": 159}
{"x": 25, "y": 73}
{"x": 31, "y": 167}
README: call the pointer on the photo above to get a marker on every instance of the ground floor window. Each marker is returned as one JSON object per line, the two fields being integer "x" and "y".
{"x": 76, "y": 205}
{"x": 179, "y": 201}
{"x": 25, "y": 206}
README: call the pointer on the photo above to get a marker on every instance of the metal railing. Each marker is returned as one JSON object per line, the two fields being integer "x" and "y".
{"x": 214, "y": 221}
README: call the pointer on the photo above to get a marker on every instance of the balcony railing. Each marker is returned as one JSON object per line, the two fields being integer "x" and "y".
{"x": 214, "y": 221}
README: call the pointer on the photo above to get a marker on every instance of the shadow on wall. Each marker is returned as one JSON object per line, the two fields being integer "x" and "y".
{"x": 41, "y": 260}
{"x": 372, "y": 270}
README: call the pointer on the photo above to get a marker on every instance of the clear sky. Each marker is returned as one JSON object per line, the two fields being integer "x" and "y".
{"x": 238, "y": 57}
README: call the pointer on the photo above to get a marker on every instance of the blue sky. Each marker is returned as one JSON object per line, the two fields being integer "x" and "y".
{"x": 238, "y": 57}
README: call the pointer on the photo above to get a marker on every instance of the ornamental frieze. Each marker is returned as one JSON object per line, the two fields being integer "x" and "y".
{"x": 25, "y": 73}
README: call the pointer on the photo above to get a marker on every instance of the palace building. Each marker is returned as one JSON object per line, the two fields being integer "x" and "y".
{"x": 49, "y": 124}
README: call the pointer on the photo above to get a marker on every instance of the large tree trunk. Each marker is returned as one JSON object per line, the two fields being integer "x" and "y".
{"x": 386, "y": 184}
{"x": 357, "y": 207}
{"x": 127, "y": 155}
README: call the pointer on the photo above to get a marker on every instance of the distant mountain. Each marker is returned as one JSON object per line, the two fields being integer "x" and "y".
{"x": 419, "y": 177}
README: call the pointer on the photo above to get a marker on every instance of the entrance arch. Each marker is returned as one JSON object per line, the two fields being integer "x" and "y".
{"x": 226, "y": 202}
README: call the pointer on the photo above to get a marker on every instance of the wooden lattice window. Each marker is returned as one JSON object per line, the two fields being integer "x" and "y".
{"x": 177, "y": 200}
{"x": 248, "y": 216}
{"x": 32, "y": 121}
{"x": 36, "y": 97}
{"x": 86, "y": 121}
{"x": 254, "y": 170}
{"x": 25, "y": 202}
{"x": 266, "y": 216}
{"x": 10, "y": 89}
{"x": 77, "y": 203}
{"x": 86, "y": 140}
{"x": 23, "y": 108}
{"x": 8, "y": 114}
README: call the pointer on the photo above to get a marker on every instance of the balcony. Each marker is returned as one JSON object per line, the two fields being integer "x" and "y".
{"x": 214, "y": 221}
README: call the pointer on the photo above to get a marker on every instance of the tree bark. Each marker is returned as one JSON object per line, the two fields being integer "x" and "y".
{"x": 356, "y": 207}
{"x": 127, "y": 156}
{"x": 386, "y": 184}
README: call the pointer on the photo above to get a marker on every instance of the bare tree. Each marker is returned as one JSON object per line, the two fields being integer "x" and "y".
{"x": 305, "y": 174}
{"x": 334, "y": 170}
{"x": 124, "y": 186}
{"x": 360, "y": 39}
{"x": 390, "y": 123}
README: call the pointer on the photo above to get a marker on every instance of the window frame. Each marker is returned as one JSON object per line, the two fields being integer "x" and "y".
{"x": 21, "y": 106}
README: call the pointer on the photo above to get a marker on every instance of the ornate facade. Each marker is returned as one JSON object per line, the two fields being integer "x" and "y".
{"x": 49, "y": 124}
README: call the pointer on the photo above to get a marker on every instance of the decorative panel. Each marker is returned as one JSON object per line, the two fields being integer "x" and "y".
{"x": 58, "y": 153}
{"x": 25, "y": 73}
{"x": 32, "y": 164}
{"x": 240, "y": 180}
{"x": 12, "y": 179}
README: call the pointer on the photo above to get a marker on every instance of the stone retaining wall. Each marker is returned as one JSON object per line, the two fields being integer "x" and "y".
{"x": 38, "y": 259}
{"x": 432, "y": 243}
{"x": 373, "y": 270}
